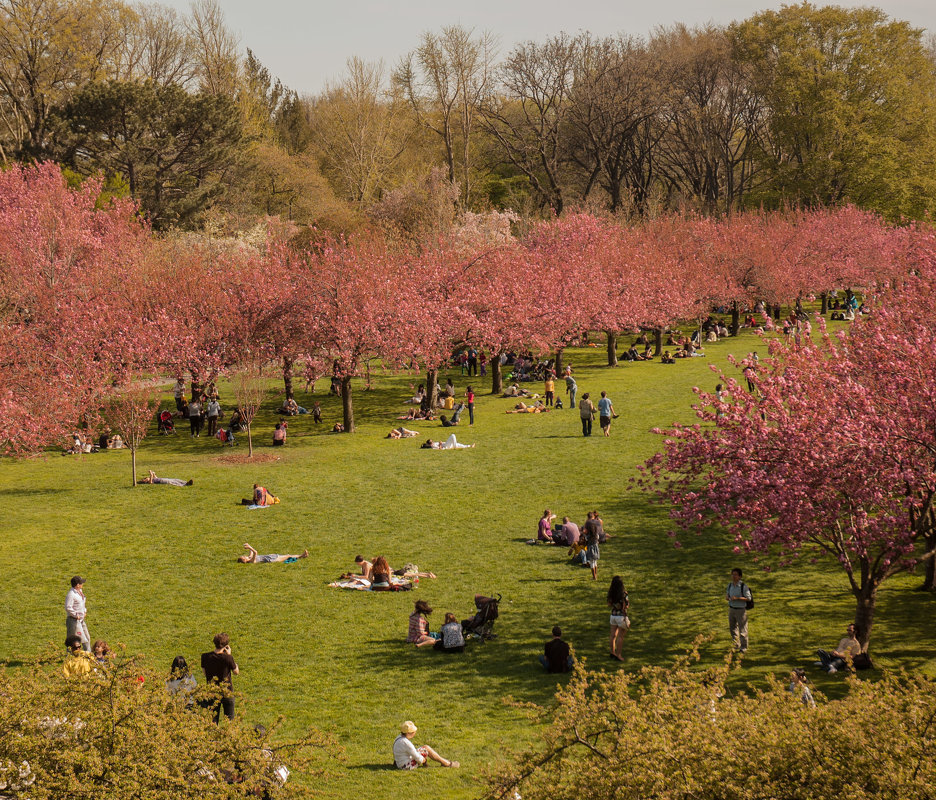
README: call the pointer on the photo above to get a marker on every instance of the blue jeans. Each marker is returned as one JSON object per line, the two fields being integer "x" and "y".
{"x": 572, "y": 393}
{"x": 545, "y": 664}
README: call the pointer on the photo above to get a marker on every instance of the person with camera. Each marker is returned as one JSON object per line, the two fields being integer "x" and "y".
{"x": 739, "y": 600}
{"x": 219, "y": 666}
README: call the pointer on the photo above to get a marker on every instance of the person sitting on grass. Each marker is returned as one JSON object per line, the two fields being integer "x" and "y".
{"x": 79, "y": 662}
{"x": 291, "y": 408}
{"x": 380, "y": 575}
{"x": 846, "y": 650}
{"x": 407, "y": 756}
{"x": 557, "y": 656}
{"x": 666, "y": 358}
{"x": 446, "y": 422}
{"x": 181, "y": 682}
{"x": 419, "y": 626}
{"x": 261, "y": 497}
{"x": 279, "y": 434}
{"x": 154, "y": 478}
{"x": 402, "y": 433}
{"x": 449, "y": 444}
{"x": 253, "y": 557}
{"x": 451, "y": 638}
{"x": 544, "y": 528}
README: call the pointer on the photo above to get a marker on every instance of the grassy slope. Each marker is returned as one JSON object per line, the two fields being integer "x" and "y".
{"x": 162, "y": 577}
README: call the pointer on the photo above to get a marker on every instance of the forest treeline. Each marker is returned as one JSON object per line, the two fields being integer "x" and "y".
{"x": 807, "y": 106}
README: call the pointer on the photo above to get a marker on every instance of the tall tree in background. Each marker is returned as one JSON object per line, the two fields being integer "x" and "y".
{"x": 529, "y": 117}
{"x": 446, "y": 79}
{"x": 851, "y": 101}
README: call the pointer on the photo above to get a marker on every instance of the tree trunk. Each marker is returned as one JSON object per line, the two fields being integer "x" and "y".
{"x": 249, "y": 440}
{"x": 825, "y": 303}
{"x": 497, "y": 376}
{"x": 133, "y": 465}
{"x": 658, "y": 342}
{"x": 866, "y": 598}
{"x": 612, "y": 348}
{"x": 288, "y": 377}
{"x": 776, "y": 313}
{"x": 557, "y": 362}
{"x": 346, "y": 407}
{"x": 735, "y": 318}
{"x": 432, "y": 384}
{"x": 929, "y": 546}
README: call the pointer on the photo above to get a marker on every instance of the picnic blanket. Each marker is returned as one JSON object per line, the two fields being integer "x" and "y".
{"x": 397, "y": 584}
{"x": 254, "y": 507}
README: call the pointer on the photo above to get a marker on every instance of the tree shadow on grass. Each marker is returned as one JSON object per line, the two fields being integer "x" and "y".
{"x": 20, "y": 492}
{"x": 387, "y": 767}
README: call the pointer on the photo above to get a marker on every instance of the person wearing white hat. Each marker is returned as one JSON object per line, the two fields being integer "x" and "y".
{"x": 407, "y": 756}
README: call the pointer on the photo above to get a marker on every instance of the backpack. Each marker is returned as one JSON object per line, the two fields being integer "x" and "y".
{"x": 748, "y": 603}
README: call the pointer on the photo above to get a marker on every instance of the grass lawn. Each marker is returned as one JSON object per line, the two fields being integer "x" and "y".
{"x": 162, "y": 578}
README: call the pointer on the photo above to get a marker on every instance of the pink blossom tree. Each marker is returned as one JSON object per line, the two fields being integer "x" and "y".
{"x": 834, "y": 454}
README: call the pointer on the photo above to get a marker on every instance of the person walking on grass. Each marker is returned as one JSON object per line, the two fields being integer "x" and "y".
{"x": 75, "y": 613}
{"x": 592, "y": 551}
{"x": 605, "y": 412}
{"x": 738, "y": 595}
{"x": 620, "y": 623}
{"x": 587, "y": 413}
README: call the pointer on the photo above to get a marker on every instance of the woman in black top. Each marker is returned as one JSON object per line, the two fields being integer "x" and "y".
{"x": 618, "y": 603}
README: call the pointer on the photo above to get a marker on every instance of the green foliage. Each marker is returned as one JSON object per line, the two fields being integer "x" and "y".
{"x": 116, "y": 733}
{"x": 169, "y": 145}
{"x": 851, "y": 102}
{"x": 675, "y": 732}
{"x": 162, "y": 575}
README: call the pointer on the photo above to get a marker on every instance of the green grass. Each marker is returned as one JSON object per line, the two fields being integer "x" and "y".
{"x": 162, "y": 577}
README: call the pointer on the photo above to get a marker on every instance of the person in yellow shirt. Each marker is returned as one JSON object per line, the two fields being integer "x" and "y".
{"x": 78, "y": 663}
{"x": 550, "y": 387}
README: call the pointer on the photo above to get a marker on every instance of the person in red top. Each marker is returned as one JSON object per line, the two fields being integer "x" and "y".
{"x": 219, "y": 666}
{"x": 469, "y": 401}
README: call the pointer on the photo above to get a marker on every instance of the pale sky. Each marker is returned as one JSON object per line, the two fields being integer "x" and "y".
{"x": 306, "y": 42}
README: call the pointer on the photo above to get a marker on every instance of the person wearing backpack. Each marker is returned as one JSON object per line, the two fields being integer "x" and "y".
{"x": 739, "y": 600}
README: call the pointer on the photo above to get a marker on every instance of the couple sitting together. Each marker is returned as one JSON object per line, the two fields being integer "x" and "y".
{"x": 449, "y": 639}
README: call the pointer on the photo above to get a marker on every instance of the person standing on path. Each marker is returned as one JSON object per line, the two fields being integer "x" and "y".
{"x": 738, "y": 595}
{"x": 219, "y": 666}
{"x": 571, "y": 387}
{"x": 469, "y": 401}
{"x": 76, "y": 611}
{"x": 605, "y": 412}
{"x": 587, "y": 413}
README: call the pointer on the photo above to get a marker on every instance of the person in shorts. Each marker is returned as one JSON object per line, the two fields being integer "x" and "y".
{"x": 407, "y": 756}
{"x": 605, "y": 413}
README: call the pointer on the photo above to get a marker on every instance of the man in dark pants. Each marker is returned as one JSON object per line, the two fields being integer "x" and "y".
{"x": 219, "y": 665}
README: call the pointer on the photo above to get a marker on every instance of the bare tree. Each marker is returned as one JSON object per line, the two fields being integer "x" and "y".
{"x": 360, "y": 131}
{"x": 712, "y": 117}
{"x": 529, "y": 119}
{"x": 215, "y": 49}
{"x": 249, "y": 387}
{"x": 446, "y": 80}
{"x": 130, "y": 413}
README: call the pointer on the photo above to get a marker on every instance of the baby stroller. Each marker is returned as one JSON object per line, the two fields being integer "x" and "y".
{"x": 481, "y": 624}
{"x": 165, "y": 423}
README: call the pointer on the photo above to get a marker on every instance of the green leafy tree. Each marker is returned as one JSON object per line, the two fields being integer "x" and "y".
{"x": 677, "y": 733}
{"x": 116, "y": 733}
{"x": 850, "y": 101}
{"x": 171, "y": 146}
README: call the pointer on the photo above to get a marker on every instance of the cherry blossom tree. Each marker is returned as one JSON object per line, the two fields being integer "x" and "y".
{"x": 834, "y": 454}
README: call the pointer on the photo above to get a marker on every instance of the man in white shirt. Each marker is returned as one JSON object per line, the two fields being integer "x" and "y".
{"x": 76, "y": 611}
{"x": 407, "y": 756}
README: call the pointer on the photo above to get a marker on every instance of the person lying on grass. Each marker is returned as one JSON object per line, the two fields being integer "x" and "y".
{"x": 407, "y": 756}
{"x": 522, "y": 408}
{"x": 154, "y": 478}
{"x": 254, "y": 558}
{"x": 449, "y": 444}
{"x": 401, "y": 433}
{"x": 417, "y": 413}
{"x": 261, "y": 497}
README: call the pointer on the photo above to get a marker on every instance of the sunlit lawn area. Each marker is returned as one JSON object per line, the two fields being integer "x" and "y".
{"x": 162, "y": 576}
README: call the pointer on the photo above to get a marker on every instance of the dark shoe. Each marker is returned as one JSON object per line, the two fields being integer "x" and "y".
{"x": 189, "y": 482}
